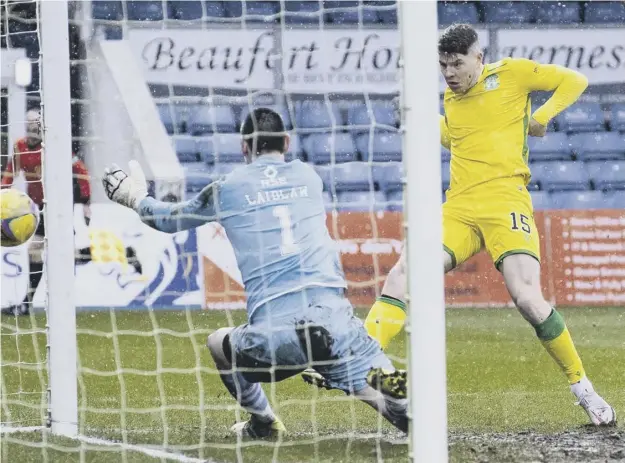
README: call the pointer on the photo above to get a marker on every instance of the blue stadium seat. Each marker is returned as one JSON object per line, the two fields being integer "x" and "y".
{"x": 380, "y": 147}
{"x": 184, "y": 10}
{"x": 457, "y": 12}
{"x": 380, "y": 115}
{"x": 324, "y": 148}
{"x": 395, "y": 201}
{"x": 617, "y": 117}
{"x": 598, "y": 146}
{"x": 225, "y": 147}
{"x": 553, "y": 176}
{"x": 349, "y": 12}
{"x": 558, "y": 12}
{"x": 280, "y": 109}
{"x": 207, "y": 119}
{"x": 327, "y": 201}
{"x": 295, "y": 150}
{"x": 353, "y": 176}
{"x": 107, "y": 10}
{"x": 604, "y": 12}
{"x": 445, "y": 175}
{"x": 388, "y": 176}
{"x": 607, "y": 175}
{"x": 318, "y": 115}
{"x": 255, "y": 11}
{"x": 186, "y": 149}
{"x": 221, "y": 170}
{"x": 215, "y": 9}
{"x": 507, "y": 12}
{"x": 204, "y": 147}
{"x": 541, "y": 200}
{"x": 615, "y": 199}
{"x": 326, "y": 173}
{"x": 554, "y": 146}
{"x": 166, "y": 114}
{"x": 387, "y": 11}
{"x": 197, "y": 175}
{"x": 145, "y": 10}
{"x": 361, "y": 201}
{"x": 581, "y": 117}
{"x": 578, "y": 200}
{"x": 306, "y": 12}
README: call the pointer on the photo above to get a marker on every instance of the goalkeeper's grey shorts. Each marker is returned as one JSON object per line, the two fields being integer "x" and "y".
{"x": 314, "y": 327}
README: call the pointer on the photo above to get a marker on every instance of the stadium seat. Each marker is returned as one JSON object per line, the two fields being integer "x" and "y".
{"x": 507, "y": 12}
{"x": 615, "y": 199}
{"x": 457, "y": 12}
{"x": 280, "y": 109}
{"x": 319, "y": 115}
{"x": 553, "y": 146}
{"x": 558, "y": 12}
{"x": 221, "y": 170}
{"x": 598, "y": 146}
{"x": 107, "y": 10}
{"x": 353, "y": 176}
{"x": 215, "y": 9}
{"x": 255, "y": 11}
{"x": 197, "y": 175}
{"x": 541, "y": 200}
{"x": 445, "y": 175}
{"x": 326, "y": 173}
{"x": 324, "y": 148}
{"x": 379, "y": 115}
{"x": 578, "y": 200}
{"x": 223, "y": 147}
{"x": 186, "y": 149}
{"x": 166, "y": 114}
{"x": 581, "y": 117}
{"x": 607, "y": 175}
{"x": 617, "y": 117}
{"x": 604, "y": 12}
{"x": 388, "y": 176}
{"x": 395, "y": 201}
{"x": 553, "y": 176}
{"x": 381, "y": 147}
{"x": 328, "y": 201}
{"x": 184, "y": 10}
{"x": 145, "y": 10}
{"x": 349, "y": 12}
{"x": 295, "y": 150}
{"x": 361, "y": 201}
{"x": 206, "y": 119}
{"x": 387, "y": 11}
{"x": 306, "y": 12}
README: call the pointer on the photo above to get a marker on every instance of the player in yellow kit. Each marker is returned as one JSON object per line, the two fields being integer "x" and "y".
{"x": 487, "y": 120}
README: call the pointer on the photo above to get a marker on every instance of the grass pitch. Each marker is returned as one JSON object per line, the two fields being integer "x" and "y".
{"x": 146, "y": 379}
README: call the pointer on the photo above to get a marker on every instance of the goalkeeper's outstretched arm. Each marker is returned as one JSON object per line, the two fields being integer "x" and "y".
{"x": 175, "y": 217}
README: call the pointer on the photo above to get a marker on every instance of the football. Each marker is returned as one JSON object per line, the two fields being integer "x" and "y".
{"x": 19, "y": 215}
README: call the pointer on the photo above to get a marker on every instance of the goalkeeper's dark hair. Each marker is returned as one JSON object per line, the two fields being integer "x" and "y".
{"x": 259, "y": 128}
{"x": 457, "y": 39}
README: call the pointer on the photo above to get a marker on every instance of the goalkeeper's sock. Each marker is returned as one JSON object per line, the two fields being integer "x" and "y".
{"x": 250, "y": 396}
{"x": 556, "y": 339}
{"x": 34, "y": 277}
{"x": 385, "y": 319}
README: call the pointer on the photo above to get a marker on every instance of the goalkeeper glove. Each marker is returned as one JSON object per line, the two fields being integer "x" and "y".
{"x": 125, "y": 189}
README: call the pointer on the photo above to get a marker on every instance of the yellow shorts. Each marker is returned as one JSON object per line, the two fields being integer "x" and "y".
{"x": 497, "y": 215}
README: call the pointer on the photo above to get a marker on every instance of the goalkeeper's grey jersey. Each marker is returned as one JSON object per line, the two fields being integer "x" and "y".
{"x": 274, "y": 216}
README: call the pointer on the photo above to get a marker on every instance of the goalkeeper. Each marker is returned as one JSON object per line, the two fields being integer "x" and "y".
{"x": 298, "y": 315}
{"x": 487, "y": 120}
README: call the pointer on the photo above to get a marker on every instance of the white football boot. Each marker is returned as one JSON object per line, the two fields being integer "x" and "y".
{"x": 597, "y": 409}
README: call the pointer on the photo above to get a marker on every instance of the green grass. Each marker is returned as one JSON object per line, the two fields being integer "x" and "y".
{"x": 499, "y": 380}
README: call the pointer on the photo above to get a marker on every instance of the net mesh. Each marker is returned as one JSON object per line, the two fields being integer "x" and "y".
{"x": 146, "y": 380}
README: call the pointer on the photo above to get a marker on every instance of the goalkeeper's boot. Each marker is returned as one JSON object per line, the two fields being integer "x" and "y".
{"x": 597, "y": 409}
{"x": 16, "y": 310}
{"x": 313, "y": 377}
{"x": 389, "y": 382}
{"x": 257, "y": 429}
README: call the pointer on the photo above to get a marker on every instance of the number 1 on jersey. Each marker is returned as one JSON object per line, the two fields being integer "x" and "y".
{"x": 288, "y": 240}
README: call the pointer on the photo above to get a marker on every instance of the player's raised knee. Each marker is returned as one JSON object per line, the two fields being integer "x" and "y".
{"x": 215, "y": 340}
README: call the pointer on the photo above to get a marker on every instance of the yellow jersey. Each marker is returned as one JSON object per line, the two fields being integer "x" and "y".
{"x": 487, "y": 126}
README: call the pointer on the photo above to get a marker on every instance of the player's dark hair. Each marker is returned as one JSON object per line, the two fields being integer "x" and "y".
{"x": 257, "y": 129}
{"x": 457, "y": 39}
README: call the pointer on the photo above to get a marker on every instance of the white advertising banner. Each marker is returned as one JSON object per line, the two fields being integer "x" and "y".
{"x": 232, "y": 58}
{"x": 313, "y": 61}
{"x": 597, "y": 53}
{"x": 170, "y": 275}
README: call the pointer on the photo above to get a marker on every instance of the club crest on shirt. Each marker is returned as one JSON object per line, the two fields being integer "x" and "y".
{"x": 491, "y": 82}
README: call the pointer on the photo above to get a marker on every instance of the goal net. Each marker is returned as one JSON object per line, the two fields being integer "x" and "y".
{"x": 168, "y": 83}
